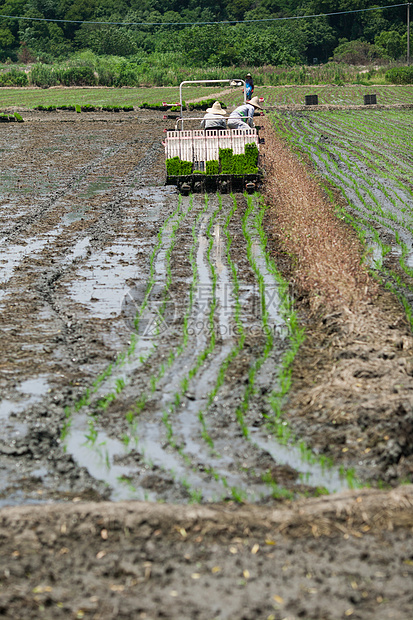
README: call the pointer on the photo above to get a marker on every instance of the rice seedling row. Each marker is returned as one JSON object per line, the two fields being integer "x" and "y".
{"x": 378, "y": 192}
{"x": 336, "y": 95}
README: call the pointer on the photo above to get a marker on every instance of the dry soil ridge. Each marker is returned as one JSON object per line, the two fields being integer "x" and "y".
{"x": 348, "y": 511}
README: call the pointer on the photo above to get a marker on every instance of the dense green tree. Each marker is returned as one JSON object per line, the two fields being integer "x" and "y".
{"x": 319, "y": 38}
{"x": 9, "y": 28}
{"x": 109, "y": 40}
{"x": 6, "y": 37}
{"x": 280, "y": 43}
{"x": 262, "y": 42}
{"x": 199, "y": 44}
{"x": 392, "y": 43}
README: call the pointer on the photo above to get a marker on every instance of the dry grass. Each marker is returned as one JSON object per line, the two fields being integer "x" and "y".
{"x": 326, "y": 255}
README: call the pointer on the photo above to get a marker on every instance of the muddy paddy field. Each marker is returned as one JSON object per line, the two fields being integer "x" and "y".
{"x": 153, "y": 462}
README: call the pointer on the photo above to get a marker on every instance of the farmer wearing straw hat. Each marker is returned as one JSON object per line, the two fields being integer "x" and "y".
{"x": 213, "y": 118}
{"x": 242, "y": 117}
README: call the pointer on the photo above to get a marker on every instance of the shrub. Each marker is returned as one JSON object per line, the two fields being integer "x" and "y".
{"x": 107, "y": 76}
{"x": 400, "y": 75}
{"x": 128, "y": 76}
{"x": 356, "y": 52}
{"x": 14, "y": 77}
{"x": 78, "y": 76}
{"x": 43, "y": 76}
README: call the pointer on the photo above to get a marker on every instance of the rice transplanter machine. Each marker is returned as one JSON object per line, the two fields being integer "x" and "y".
{"x": 200, "y": 160}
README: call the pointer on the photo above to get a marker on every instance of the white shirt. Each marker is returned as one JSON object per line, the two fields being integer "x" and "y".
{"x": 245, "y": 113}
{"x": 212, "y": 121}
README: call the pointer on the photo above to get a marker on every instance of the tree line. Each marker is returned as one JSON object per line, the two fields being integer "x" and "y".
{"x": 375, "y": 33}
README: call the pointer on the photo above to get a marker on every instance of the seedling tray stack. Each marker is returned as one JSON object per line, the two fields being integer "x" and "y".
{"x": 211, "y": 160}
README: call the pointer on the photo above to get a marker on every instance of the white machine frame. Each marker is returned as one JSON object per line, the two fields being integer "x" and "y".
{"x": 199, "y": 145}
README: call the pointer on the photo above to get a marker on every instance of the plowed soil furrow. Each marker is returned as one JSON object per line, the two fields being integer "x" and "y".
{"x": 164, "y": 409}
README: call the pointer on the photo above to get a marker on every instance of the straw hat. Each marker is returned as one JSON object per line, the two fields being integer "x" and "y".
{"x": 216, "y": 109}
{"x": 255, "y": 102}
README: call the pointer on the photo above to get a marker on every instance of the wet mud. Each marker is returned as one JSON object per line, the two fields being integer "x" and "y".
{"x": 142, "y": 330}
{"x": 142, "y": 335}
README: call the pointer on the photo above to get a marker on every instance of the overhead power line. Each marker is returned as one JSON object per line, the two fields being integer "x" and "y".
{"x": 235, "y": 21}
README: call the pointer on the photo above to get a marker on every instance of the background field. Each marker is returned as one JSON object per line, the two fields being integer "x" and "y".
{"x": 273, "y": 95}
{"x": 31, "y": 97}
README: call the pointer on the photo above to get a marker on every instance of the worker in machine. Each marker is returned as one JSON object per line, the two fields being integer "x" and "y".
{"x": 249, "y": 87}
{"x": 243, "y": 116}
{"x": 214, "y": 118}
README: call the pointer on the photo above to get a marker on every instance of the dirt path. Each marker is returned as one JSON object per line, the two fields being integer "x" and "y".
{"x": 142, "y": 337}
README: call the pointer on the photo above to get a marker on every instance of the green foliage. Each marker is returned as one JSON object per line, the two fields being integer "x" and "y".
{"x": 186, "y": 167}
{"x": 239, "y": 164}
{"x": 78, "y": 76}
{"x": 13, "y": 77}
{"x": 226, "y": 159}
{"x": 176, "y": 166}
{"x": 400, "y": 75}
{"x": 154, "y": 106}
{"x": 117, "y": 108}
{"x": 128, "y": 75}
{"x": 251, "y": 158}
{"x": 46, "y": 108}
{"x": 228, "y": 163}
{"x": 320, "y": 38}
{"x": 107, "y": 40}
{"x": 43, "y": 75}
{"x": 212, "y": 166}
{"x": 89, "y": 108}
{"x": 213, "y": 45}
{"x": 391, "y": 43}
{"x": 356, "y": 52}
{"x": 203, "y": 105}
{"x": 6, "y": 37}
